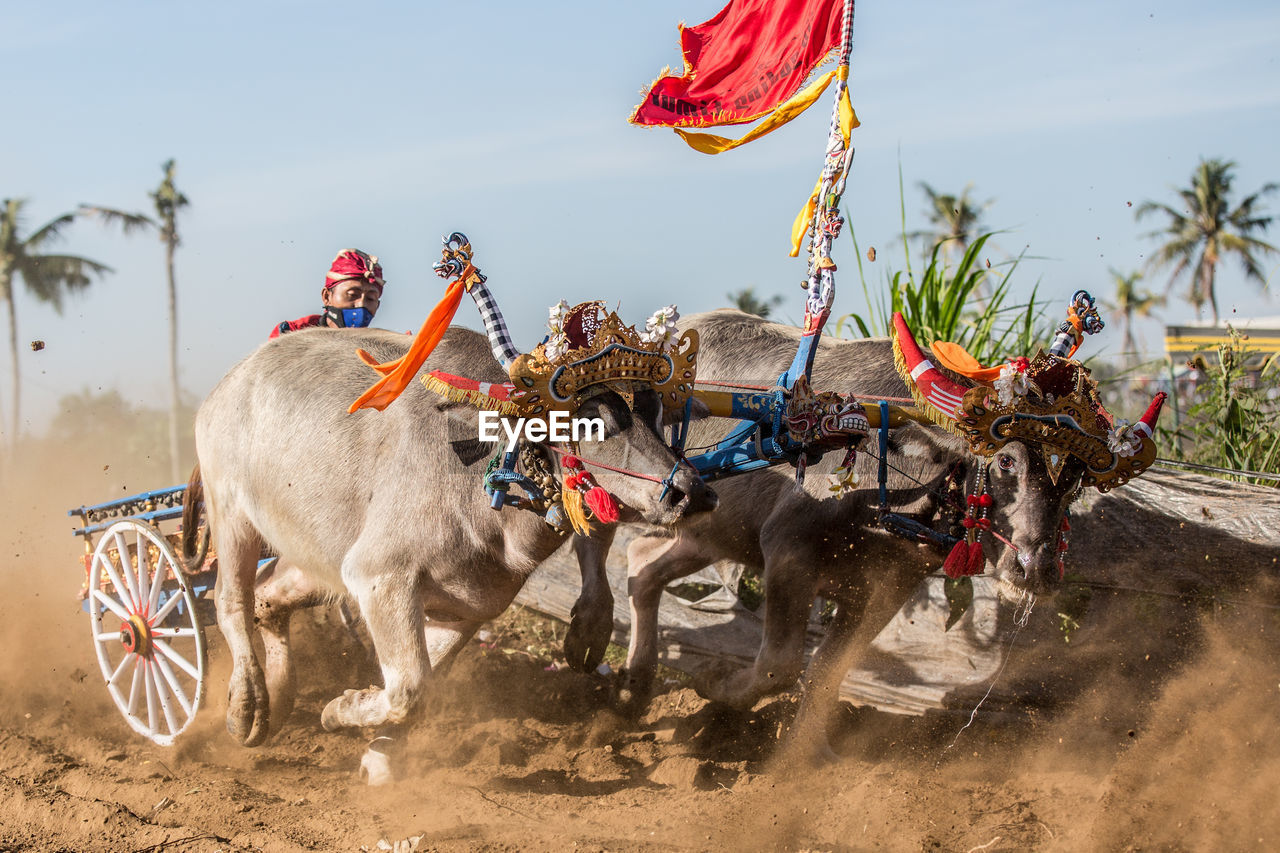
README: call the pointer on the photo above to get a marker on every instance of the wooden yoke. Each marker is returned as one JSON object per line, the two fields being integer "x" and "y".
{"x": 750, "y": 405}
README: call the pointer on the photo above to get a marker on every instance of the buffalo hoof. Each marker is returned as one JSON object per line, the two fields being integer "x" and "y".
{"x": 358, "y": 708}
{"x": 376, "y": 765}
{"x": 634, "y": 693}
{"x": 718, "y": 683}
{"x": 248, "y": 708}
{"x": 588, "y": 637}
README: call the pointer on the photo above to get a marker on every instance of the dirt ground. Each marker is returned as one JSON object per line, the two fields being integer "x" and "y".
{"x": 516, "y": 755}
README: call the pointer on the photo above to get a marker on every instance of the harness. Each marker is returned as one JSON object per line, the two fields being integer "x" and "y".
{"x": 900, "y": 525}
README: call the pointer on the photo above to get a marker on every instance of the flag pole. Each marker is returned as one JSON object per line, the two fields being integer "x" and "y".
{"x": 826, "y": 222}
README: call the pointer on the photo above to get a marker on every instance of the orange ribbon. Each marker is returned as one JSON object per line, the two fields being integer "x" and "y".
{"x": 397, "y": 374}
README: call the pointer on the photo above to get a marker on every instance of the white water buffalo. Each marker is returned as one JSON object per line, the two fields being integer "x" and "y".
{"x": 806, "y": 542}
{"x": 384, "y": 506}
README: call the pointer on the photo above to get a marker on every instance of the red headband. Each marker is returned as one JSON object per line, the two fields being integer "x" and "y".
{"x": 353, "y": 263}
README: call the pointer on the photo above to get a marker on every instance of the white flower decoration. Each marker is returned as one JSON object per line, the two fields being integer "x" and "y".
{"x": 842, "y": 481}
{"x": 661, "y": 327}
{"x": 1121, "y": 440}
{"x": 1011, "y": 384}
{"x": 557, "y": 314}
{"x": 556, "y": 346}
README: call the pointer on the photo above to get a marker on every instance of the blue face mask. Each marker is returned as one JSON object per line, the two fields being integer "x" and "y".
{"x": 350, "y": 318}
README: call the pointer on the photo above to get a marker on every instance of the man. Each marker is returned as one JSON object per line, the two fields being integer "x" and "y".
{"x": 350, "y": 297}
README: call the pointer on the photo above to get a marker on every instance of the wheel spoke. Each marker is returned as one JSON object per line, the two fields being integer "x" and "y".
{"x": 126, "y": 569}
{"x": 169, "y": 607}
{"x": 183, "y": 664}
{"x": 122, "y": 591}
{"x": 162, "y": 693}
{"x": 144, "y": 565}
{"x": 157, "y": 583}
{"x": 174, "y": 687}
{"x": 135, "y": 689}
{"x": 173, "y": 632}
{"x": 115, "y": 676}
{"x": 149, "y": 681}
{"x": 110, "y": 603}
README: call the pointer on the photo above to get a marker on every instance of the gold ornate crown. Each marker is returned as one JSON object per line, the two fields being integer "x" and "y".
{"x": 1055, "y": 404}
{"x": 588, "y": 348}
{"x": 1049, "y": 401}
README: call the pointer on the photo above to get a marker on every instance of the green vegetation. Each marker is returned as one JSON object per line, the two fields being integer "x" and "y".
{"x": 168, "y": 201}
{"x": 1205, "y": 230}
{"x": 746, "y": 300}
{"x": 47, "y": 276}
{"x": 955, "y": 220}
{"x": 1129, "y": 301}
{"x": 1234, "y": 420}
{"x": 969, "y": 304}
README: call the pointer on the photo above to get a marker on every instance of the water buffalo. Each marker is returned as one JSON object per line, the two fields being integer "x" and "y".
{"x": 806, "y": 542}
{"x": 386, "y": 507}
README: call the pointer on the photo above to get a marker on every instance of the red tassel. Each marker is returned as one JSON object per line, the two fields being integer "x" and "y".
{"x": 570, "y": 461}
{"x": 956, "y": 562}
{"x": 976, "y": 560}
{"x": 602, "y": 505}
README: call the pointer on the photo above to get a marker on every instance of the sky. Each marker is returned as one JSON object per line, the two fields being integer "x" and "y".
{"x": 301, "y": 128}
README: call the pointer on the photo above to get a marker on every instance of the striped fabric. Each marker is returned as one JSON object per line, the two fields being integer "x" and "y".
{"x": 504, "y": 348}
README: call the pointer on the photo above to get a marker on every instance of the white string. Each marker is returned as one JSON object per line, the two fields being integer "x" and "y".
{"x": 1020, "y": 619}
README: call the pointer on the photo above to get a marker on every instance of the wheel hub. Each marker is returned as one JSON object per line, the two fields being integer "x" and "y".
{"x": 135, "y": 636}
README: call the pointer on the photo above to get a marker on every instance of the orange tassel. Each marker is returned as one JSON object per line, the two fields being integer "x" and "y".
{"x": 573, "y": 508}
{"x": 399, "y": 373}
{"x": 956, "y": 562}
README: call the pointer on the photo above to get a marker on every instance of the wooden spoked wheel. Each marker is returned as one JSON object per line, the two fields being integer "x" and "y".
{"x": 146, "y": 630}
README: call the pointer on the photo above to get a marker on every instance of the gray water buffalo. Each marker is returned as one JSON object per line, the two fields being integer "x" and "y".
{"x": 386, "y": 507}
{"x": 806, "y": 542}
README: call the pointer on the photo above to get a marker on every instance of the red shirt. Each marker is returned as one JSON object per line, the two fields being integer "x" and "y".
{"x": 294, "y": 325}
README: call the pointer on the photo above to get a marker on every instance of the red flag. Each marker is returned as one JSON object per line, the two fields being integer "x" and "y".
{"x": 743, "y": 63}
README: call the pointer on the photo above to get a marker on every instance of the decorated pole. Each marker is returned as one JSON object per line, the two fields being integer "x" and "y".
{"x": 821, "y": 218}
{"x": 751, "y": 61}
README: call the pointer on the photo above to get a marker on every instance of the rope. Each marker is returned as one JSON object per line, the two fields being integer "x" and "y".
{"x": 1019, "y": 622}
{"x": 745, "y": 387}
{"x": 623, "y": 471}
{"x": 1193, "y": 466}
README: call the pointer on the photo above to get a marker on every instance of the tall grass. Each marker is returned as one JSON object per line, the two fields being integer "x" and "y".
{"x": 1234, "y": 419}
{"x": 969, "y": 304}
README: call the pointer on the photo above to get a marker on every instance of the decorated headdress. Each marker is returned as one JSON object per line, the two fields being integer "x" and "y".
{"x": 353, "y": 263}
{"x": 1050, "y": 401}
{"x": 586, "y": 348}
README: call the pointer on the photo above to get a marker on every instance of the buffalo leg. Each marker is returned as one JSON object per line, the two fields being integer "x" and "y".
{"x": 248, "y": 706}
{"x": 281, "y": 589}
{"x": 591, "y": 619}
{"x": 395, "y": 620}
{"x": 790, "y": 585}
{"x": 445, "y": 639}
{"x": 653, "y": 562}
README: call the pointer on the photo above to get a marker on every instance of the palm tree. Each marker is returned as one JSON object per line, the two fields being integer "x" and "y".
{"x": 1206, "y": 230}
{"x": 1130, "y": 301}
{"x": 955, "y": 220}
{"x": 746, "y": 300}
{"x": 168, "y": 200}
{"x": 47, "y": 276}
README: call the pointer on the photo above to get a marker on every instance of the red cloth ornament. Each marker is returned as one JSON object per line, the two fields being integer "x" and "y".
{"x": 957, "y": 561}
{"x": 602, "y": 504}
{"x": 353, "y": 263}
{"x": 977, "y": 561}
